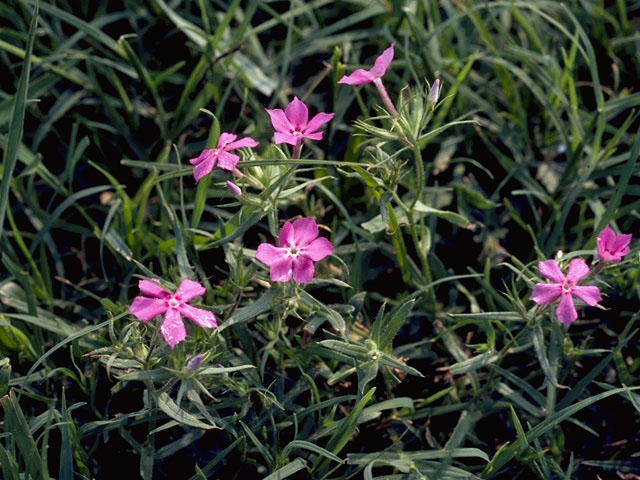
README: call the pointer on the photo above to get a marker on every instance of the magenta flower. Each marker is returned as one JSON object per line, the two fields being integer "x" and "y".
{"x": 292, "y": 125}
{"x": 208, "y": 159}
{"x": 173, "y": 307}
{"x": 565, "y": 287}
{"x": 612, "y": 247}
{"x": 374, "y": 75}
{"x": 298, "y": 247}
{"x": 379, "y": 68}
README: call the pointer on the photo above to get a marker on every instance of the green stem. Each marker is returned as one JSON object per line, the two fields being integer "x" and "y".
{"x": 420, "y": 181}
{"x": 555, "y": 349}
{"x": 426, "y": 270}
{"x": 420, "y": 174}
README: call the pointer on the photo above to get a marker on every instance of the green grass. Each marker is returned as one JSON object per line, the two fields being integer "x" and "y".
{"x": 415, "y": 352}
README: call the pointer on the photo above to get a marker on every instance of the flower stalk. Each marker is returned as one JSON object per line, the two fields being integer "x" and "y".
{"x": 385, "y": 97}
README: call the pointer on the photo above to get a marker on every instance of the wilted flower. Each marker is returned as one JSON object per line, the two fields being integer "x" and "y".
{"x": 173, "y": 306}
{"x": 292, "y": 124}
{"x": 612, "y": 247}
{"x": 220, "y": 156}
{"x": 565, "y": 287}
{"x": 298, "y": 247}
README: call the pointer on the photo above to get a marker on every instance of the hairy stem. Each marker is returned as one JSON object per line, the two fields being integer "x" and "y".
{"x": 385, "y": 97}
{"x": 297, "y": 150}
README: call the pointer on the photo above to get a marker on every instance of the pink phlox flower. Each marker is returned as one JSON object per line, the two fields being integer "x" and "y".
{"x": 612, "y": 247}
{"x": 565, "y": 288}
{"x": 298, "y": 247}
{"x": 158, "y": 301}
{"x": 220, "y": 156}
{"x": 292, "y": 124}
{"x": 379, "y": 68}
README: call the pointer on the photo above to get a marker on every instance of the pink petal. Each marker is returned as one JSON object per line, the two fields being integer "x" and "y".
{"x": 204, "y": 167}
{"x": 578, "y": 269}
{"x": 243, "y": 142}
{"x": 544, "y": 293}
{"x": 279, "y": 120}
{"x": 609, "y": 257}
{"x": 286, "y": 237}
{"x": 316, "y": 122}
{"x": 302, "y": 269}
{"x": 188, "y": 290}
{"x": 566, "y": 311}
{"x": 202, "y": 318}
{"x": 313, "y": 136}
{"x": 317, "y": 249}
{"x": 382, "y": 62}
{"x": 606, "y": 238}
{"x": 269, "y": 254}
{"x": 145, "y": 308}
{"x": 550, "y": 269}
{"x": 589, "y": 294}
{"x": 305, "y": 230}
{"x": 281, "y": 271}
{"x": 225, "y": 139}
{"x": 279, "y": 137}
{"x": 172, "y": 328}
{"x": 612, "y": 247}
{"x": 621, "y": 242}
{"x": 297, "y": 113}
{"x": 203, "y": 155}
{"x": 227, "y": 161}
{"x": 358, "y": 77}
{"x": 152, "y": 289}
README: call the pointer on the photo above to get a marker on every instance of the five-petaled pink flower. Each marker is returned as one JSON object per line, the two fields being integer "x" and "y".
{"x": 565, "y": 287}
{"x": 292, "y": 124}
{"x": 612, "y": 247}
{"x": 298, "y": 247}
{"x": 173, "y": 306}
{"x": 361, "y": 76}
{"x": 208, "y": 159}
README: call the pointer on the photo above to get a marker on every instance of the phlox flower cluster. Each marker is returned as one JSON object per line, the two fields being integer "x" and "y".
{"x": 610, "y": 248}
{"x": 299, "y": 244}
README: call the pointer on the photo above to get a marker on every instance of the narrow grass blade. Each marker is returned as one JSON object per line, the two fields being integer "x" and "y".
{"x": 288, "y": 470}
{"x": 19, "y": 428}
{"x": 17, "y": 121}
{"x": 168, "y": 406}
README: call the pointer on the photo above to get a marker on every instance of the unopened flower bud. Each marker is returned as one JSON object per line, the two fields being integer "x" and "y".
{"x": 195, "y": 362}
{"x": 434, "y": 91}
{"x": 234, "y": 189}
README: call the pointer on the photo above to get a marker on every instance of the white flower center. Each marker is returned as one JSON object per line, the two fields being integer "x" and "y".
{"x": 173, "y": 303}
{"x": 293, "y": 251}
{"x": 566, "y": 287}
{"x": 296, "y": 132}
